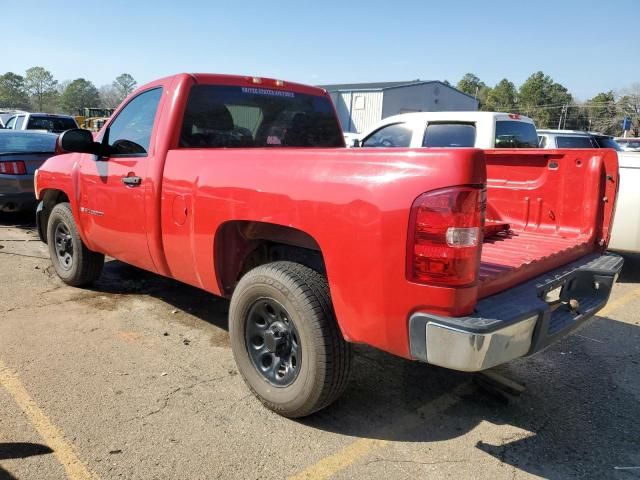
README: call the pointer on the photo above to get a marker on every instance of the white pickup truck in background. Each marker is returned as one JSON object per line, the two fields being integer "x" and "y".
{"x": 625, "y": 234}
{"x": 450, "y": 129}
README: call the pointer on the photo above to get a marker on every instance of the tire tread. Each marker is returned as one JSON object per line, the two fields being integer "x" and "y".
{"x": 89, "y": 263}
{"x": 312, "y": 289}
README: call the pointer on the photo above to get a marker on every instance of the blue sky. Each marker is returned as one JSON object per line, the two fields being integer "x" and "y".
{"x": 588, "y": 46}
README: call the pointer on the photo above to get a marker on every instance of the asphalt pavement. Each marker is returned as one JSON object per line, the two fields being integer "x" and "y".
{"x": 134, "y": 378}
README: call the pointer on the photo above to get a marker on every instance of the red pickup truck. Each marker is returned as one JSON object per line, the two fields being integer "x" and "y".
{"x": 241, "y": 186}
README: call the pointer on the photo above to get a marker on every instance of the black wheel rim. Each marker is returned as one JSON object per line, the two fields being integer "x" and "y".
{"x": 273, "y": 342}
{"x": 64, "y": 246}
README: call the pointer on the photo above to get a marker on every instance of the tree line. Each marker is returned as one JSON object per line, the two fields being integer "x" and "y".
{"x": 38, "y": 90}
{"x": 551, "y": 105}
{"x": 547, "y": 102}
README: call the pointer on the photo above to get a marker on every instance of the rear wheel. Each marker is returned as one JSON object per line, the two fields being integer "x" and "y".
{"x": 74, "y": 263}
{"x": 285, "y": 339}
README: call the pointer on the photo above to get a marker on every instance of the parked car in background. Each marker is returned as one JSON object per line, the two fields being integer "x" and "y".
{"x": 629, "y": 144}
{"x": 550, "y": 138}
{"x": 49, "y": 122}
{"x": 21, "y": 153}
{"x": 459, "y": 257}
{"x": 452, "y": 129}
{"x": 625, "y": 233}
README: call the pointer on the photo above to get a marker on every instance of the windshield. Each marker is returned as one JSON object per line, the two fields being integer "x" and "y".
{"x": 20, "y": 142}
{"x": 515, "y": 134}
{"x": 608, "y": 142}
{"x": 52, "y": 124}
{"x": 246, "y": 117}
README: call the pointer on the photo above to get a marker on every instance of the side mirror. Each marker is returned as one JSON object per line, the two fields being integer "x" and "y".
{"x": 356, "y": 143}
{"x": 78, "y": 140}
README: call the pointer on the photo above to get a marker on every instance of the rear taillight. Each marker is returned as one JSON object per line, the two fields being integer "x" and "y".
{"x": 13, "y": 168}
{"x": 445, "y": 230}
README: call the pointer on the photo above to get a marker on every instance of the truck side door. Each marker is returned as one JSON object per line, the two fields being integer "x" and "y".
{"x": 112, "y": 188}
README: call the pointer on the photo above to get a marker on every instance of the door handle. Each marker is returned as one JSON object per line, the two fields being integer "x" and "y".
{"x": 131, "y": 181}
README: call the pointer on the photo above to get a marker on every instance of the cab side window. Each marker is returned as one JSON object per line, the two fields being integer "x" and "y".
{"x": 449, "y": 135}
{"x": 396, "y": 135}
{"x": 11, "y": 122}
{"x": 19, "y": 122}
{"x": 130, "y": 131}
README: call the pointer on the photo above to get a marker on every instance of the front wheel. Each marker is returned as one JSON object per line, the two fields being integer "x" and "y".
{"x": 74, "y": 263}
{"x": 286, "y": 341}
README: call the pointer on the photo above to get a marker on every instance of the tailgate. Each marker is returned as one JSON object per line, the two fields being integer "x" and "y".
{"x": 556, "y": 205}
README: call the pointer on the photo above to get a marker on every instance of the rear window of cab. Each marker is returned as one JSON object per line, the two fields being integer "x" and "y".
{"x": 50, "y": 123}
{"x": 515, "y": 134}
{"x": 245, "y": 117}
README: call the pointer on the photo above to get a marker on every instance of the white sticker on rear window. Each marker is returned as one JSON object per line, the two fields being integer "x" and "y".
{"x": 266, "y": 91}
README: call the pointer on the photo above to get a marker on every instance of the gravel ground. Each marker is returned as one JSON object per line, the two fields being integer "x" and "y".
{"x": 134, "y": 378}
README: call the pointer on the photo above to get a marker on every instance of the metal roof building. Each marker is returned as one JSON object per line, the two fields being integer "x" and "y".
{"x": 361, "y": 105}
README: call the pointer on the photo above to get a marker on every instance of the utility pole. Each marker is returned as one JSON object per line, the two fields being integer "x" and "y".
{"x": 563, "y": 115}
{"x": 560, "y": 120}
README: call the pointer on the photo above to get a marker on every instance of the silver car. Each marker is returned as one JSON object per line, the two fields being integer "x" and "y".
{"x": 21, "y": 153}
{"x": 575, "y": 139}
{"x": 629, "y": 144}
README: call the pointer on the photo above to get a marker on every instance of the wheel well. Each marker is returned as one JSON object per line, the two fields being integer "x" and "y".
{"x": 243, "y": 245}
{"x": 50, "y": 198}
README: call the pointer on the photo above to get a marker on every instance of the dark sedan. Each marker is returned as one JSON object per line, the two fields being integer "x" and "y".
{"x": 21, "y": 153}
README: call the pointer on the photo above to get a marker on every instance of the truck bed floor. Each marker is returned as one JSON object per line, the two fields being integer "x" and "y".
{"x": 515, "y": 256}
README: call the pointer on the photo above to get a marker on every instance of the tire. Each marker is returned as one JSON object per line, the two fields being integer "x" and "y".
{"x": 319, "y": 361}
{"x": 74, "y": 263}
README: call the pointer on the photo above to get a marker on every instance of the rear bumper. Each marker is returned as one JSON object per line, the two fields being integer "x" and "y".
{"x": 13, "y": 202}
{"x": 16, "y": 192}
{"x": 519, "y": 321}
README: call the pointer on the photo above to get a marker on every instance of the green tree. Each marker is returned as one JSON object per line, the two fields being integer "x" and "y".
{"x": 12, "y": 91}
{"x": 629, "y": 106}
{"x": 124, "y": 85}
{"x": 502, "y": 97}
{"x": 601, "y": 113}
{"x": 41, "y": 85}
{"x": 543, "y": 100}
{"x": 109, "y": 96}
{"x": 472, "y": 85}
{"x": 79, "y": 94}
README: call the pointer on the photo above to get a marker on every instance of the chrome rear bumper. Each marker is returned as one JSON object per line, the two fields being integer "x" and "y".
{"x": 517, "y": 322}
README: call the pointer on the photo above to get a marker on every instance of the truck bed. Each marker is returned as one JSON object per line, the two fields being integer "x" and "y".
{"x": 514, "y": 256}
{"x": 551, "y": 205}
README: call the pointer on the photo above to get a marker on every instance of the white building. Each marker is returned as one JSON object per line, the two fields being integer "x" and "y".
{"x": 360, "y": 105}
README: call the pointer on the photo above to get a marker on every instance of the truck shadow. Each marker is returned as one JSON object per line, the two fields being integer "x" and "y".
{"x": 577, "y": 417}
{"x": 631, "y": 269}
{"x": 120, "y": 278}
{"x": 25, "y": 220}
{"x": 19, "y": 450}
